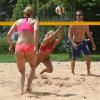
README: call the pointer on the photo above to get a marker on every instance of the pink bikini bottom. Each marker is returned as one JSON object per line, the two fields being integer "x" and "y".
{"x": 24, "y": 48}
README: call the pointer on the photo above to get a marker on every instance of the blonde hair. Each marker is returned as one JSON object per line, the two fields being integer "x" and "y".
{"x": 49, "y": 32}
{"x": 28, "y": 11}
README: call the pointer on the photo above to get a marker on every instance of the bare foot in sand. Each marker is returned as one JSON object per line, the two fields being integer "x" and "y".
{"x": 21, "y": 92}
{"x": 28, "y": 90}
{"x": 89, "y": 74}
{"x": 43, "y": 76}
{"x": 27, "y": 75}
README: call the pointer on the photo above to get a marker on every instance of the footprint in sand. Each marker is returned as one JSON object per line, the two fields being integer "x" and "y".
{"x": 43, "y": 76}
{"x": 60, "y": 84}
{"x": 48, "y": 82}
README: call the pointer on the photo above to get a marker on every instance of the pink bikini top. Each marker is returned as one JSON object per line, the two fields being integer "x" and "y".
{"x": 25, "y": 25}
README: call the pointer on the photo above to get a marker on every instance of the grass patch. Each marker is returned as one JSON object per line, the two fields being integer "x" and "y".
{"x": 10, "y": 57}
{"x": 60, "y": 57}
{"x": 95, "y": 57}
{"x": 7, "y": 57}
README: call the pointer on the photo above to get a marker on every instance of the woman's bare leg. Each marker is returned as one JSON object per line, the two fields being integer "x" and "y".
{"x": 31, "y": 57}
{"x": 48, "y": 65}
{"x": 21, "y": 68}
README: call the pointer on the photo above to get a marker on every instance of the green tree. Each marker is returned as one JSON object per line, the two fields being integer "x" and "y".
{"x": 6, "y": 8}
{"x": 45, "y": 9}
{"x": 17, "y": 12}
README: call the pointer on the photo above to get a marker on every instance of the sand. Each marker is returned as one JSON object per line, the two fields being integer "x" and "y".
{"x": 60, "y": 85}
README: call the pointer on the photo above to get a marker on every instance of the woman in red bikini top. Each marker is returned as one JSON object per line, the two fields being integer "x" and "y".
{"x": 48, "y": 47}
{"x": 26, "y": 45}
{"x": 49, "y": 43}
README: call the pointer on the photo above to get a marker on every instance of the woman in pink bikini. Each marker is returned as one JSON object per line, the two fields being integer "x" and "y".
{"x": 26, "y": 45}
{"x": 46, "y": 48}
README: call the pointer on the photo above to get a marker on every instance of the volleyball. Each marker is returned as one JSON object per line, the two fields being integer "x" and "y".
{"x": 59, "y": 10}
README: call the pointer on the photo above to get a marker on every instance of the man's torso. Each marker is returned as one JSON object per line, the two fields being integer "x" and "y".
{"x": 79, "y": 33}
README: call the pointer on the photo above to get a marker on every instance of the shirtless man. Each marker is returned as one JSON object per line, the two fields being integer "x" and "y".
{"x": 76, "y": 35}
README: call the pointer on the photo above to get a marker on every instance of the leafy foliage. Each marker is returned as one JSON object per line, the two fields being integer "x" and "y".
{"x": 6, "y": 8}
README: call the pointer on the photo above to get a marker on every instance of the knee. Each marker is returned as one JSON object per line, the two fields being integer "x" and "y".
{"x": 33, "y": 67}
{"x": 73, "y": 61}
{"x": 88, "y": 58}
{"x": 22, "y": 71}
{"x": 50, "y": 70}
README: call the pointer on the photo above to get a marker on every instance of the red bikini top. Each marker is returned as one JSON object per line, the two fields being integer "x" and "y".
{"x": 46, "y": 48}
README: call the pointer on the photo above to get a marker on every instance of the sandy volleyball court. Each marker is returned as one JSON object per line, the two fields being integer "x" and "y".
{"x": 60, "y": 85}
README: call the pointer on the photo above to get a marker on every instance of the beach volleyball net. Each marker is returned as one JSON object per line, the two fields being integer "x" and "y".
{"x": 44, "y": 27}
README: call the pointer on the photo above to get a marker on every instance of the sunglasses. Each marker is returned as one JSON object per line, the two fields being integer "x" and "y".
{"x": 79, "y": 14}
